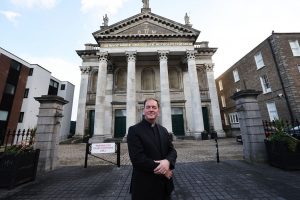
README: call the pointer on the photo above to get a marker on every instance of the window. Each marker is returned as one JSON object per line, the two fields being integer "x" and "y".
{"x": 53, "y": 83}
{"x": 236, "y": 75}
{"x": 295, "y": 47}
{"x": 223, "y": 101}
{"x": 272, "y": 111}
{"x": 3, "y": 115}
{"x": 265, "y": 84}
{"x": 15, "y": 65}
{"x": 62, "y": 86}
{"x": 10, "y": 89}
{"x": 21, "y": 117}
{"x": 259, "y": 60}
{"x": 220, "y": 85}
{"x": 233, "y": 118}
{"x": 30, "y": 71}
{"x": 226, "y": 119}
{"x": 299, "y": 68}
{"x": 53, "y": 87}
{"x": 26, "y": 93}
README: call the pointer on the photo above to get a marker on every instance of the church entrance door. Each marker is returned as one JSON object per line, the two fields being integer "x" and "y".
{"x": 177, "y": 121}
{"x": 91, "y": 122}
{"x": 205, "y": 118}
{"x": 120, "y": 123}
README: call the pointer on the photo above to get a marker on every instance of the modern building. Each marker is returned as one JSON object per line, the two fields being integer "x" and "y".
{"x": 13, "y": 76}
{"x": 272, "y": 67}
{"x": 143, "y": 56}
{"x": 22, "y": 82}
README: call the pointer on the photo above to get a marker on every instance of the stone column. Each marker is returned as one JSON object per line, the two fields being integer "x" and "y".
{"x": 198, "y": 125}
{"x": 251, "y": 125}
{"x": 108, "y": 100}
{"x": 165, "y": 99}
{"x": 48, "y": 129}
{"x": 131, "y": 90}
{"x": 187, "y": 105}
{"x": 215, "y": 109}
{"x": 85, "y": 70}
{"x": 99, "y": 133}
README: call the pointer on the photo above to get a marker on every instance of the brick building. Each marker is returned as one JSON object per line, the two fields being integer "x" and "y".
{"x": 13, "y": 75}
{"x": 272, "y": 67}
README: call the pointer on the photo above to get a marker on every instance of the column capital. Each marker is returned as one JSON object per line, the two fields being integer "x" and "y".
{"x": 103, "y": 56}
{"x": 163, "y": 55}
{"x": 209, "y": 67}
{"x": 190, "y": 54}
{"x": 131, "y": 56}
{"x": 85, "y": 69}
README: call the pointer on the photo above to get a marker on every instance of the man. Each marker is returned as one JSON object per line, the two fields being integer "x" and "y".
{"x": 152, "y": 156}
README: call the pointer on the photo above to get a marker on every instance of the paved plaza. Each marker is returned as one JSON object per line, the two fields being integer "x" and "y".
{"x": 197, "y": 176}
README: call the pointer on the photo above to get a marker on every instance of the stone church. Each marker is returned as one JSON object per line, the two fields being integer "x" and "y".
{"x": 144, "y": 56}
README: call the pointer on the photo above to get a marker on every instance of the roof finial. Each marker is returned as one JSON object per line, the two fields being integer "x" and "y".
{"x": 187, "y": 20}
{"x": 146, "y": 7}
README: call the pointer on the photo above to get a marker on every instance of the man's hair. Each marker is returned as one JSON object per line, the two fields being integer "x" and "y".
{"x": 151, "y": 99}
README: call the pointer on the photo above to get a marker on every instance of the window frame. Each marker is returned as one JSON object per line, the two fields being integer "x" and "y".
{"x": 295, "y": 48}
{"x": 236, "y": 75}
{"x": 21, "y": 117}
{"x": 233, "y": 118}
{"x": 259, "y": 61}
{"x": 271, "y": 112}
{"x": 26, "y": 93}
{"x": 265, "y": 84}
{"x": 223, "y": 101}
{"x": 220, "y": 82}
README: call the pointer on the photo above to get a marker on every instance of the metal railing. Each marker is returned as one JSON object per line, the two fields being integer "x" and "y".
{"x": 14, "y": 137}
{"x": 290, "y": 127}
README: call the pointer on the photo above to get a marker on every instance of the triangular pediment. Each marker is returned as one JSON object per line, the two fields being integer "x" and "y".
{"x": 145, "y": 25}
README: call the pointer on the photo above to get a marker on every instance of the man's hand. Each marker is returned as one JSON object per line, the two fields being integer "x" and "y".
{"x": 163, "y": 166}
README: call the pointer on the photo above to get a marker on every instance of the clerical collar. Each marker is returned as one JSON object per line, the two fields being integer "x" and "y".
{"x": 149, "y": 124}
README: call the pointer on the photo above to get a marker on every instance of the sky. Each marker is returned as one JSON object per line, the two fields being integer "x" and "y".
{"x": 48, "y": 32}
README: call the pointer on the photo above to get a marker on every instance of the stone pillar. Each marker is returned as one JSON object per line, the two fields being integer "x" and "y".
{"x": 108, "y": 100}
{"x": 251, "y": 125}
{"x": 99, "y": 133}
{"x": 165, "y": 99}
{"x": 187, "y": 105}
{"x": 131, "y": 90}
{"x": 215, "y": 109}
{"x": 198, "y": 125}
{"x": 85, "y": 70}
{"x": 48, "y": 129}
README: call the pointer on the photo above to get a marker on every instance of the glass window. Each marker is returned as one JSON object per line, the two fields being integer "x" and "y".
{"x": 3, "y": 115}
{"x": 265, "y": 84}
{"x": 259, "y": 60}
{"x": 223, "y": 101}
{"x": 272, "y": 111}
{"x": 299, "y": 68}
{"x": 233, "y": 118}
{"x": 220, "y": 85}
{"x": 62, "y": 86}
{"x": 10, "y": 89}
{"x": 26, "y": 93}
{"x": 236, "y": 75}
{"x": 15, "y": 65}
{"x": 21, "y": 117}
{"x": 295, "y": 47}
{"x": 30, "y": 71}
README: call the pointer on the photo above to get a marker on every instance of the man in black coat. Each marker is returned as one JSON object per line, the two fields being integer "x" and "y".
{"x": 152, "y": 155}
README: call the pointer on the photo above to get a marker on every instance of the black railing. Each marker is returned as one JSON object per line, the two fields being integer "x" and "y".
{"x": 290, "y": 127}
{"x": 19, "y": 137}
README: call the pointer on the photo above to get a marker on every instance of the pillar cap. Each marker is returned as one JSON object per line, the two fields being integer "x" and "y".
{"x": 51, "y": 99}
{"x": 245, "y": 93}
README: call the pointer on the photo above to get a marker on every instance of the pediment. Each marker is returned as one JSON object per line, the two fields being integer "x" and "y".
{"x": 146, "y": 25}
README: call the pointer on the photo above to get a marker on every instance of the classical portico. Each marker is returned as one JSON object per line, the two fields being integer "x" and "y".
{"x": 147, "y": 56}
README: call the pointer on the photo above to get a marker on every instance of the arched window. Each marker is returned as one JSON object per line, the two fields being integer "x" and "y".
{"x": 174, "y": 78}
{"x": 148, "y": 79}
{"x": 121, "y": 80}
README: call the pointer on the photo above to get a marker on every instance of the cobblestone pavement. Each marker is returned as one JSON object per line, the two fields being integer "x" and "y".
{"x": 196, "y": 177}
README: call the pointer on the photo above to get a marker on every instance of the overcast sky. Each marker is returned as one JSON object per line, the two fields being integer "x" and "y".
{"x": 47, "y": 32}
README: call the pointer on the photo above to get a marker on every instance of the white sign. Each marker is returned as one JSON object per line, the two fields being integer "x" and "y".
{"x": 103, "y": 148}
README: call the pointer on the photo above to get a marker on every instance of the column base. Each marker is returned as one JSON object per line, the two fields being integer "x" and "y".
{"x": 197, "y": 135}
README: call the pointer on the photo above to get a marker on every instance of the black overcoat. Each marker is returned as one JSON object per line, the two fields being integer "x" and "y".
{"x": 142, "y": 152}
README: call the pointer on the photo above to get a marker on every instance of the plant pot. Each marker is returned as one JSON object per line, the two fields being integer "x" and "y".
{"x": 16, "y": 169}
{"x": 279, "y": 156}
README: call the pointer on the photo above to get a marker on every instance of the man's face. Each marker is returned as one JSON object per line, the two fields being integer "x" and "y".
{"x": 151, "y": 110}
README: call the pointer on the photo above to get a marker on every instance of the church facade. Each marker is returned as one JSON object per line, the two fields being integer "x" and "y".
{"x": 144, "y": 56}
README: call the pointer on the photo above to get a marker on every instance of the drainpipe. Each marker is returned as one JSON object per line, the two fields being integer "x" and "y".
{"x": 280, "y": 78}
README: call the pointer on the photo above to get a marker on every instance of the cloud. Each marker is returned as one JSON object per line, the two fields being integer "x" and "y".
{"x": 109, "y": 6}
{"x": 48, "y": 4}
{"x": 10, "y": 15}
